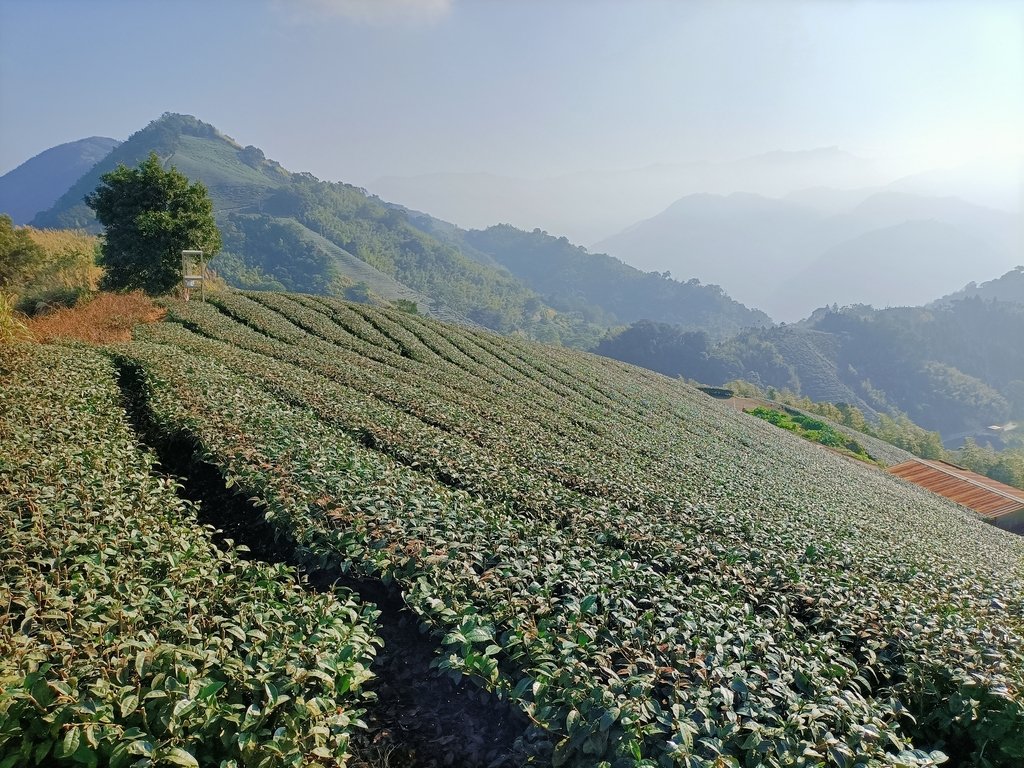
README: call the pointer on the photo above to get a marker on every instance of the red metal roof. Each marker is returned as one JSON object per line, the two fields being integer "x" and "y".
{"x": 987, "y": 497}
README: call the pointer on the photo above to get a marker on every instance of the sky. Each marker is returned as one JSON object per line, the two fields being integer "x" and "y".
{"x": 352, "y": 90}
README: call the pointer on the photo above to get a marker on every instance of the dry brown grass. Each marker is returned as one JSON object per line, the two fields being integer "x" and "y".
{"x": 12, "y": 322}
{"x": 69, "y": 256}
{"x": 107, "y": 318}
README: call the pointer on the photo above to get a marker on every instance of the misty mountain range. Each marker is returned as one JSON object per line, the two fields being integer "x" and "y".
{"x": 789, "y": 257}
{"x": 786, "y": 232}
{"x": 763, "y": 227}
{"x": 810, "y": 248}
{"x": 591, "y": 205}
{"x": 290, "y": 231}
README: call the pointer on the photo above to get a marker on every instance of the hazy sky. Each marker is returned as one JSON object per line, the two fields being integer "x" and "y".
{"x": 355, "y": 89}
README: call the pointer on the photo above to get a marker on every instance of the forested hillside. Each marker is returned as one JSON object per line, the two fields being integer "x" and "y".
{"x": 607, "y": 290}
{"x": 1009, "y": 287}
{"x": 291, "y": 231}
{"x": 268, "y": 216}
{"x": 956, "y": 367}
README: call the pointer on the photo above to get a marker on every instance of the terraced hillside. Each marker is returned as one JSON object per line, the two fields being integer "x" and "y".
{"x": 126, "y": 636}
{"x": 647, "y": 576}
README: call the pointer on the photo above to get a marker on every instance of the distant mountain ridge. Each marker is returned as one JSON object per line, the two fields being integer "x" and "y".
{"x": 789, "y": 256}
{"x": 235, "y": 176}
{"x": 570, "y": 278}
{"x": 954, "y": 368}
{"x": 589, "y": 206}
{"x": 1009, "y": 287}
{"x": 36, "y": 184}
{"x": 292, "y": 231}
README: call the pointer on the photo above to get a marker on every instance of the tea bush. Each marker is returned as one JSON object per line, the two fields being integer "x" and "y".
{"x": 126, "y": 636}
{"x": 652, "y": 578}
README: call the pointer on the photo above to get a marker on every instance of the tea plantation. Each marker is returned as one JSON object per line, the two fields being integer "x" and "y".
{"x": 649, "y": 577}
{"x": 127, "y": 638}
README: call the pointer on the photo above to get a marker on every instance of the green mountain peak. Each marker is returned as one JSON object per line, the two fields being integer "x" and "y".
{"x": 292, "y": 231}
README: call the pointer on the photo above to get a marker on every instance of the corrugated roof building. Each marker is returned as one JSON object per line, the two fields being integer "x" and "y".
{"x": 1000, "y": 504}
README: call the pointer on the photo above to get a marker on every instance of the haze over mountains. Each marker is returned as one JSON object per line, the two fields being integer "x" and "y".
{"x": 591, "y": 205}
{"x": 790, "y": 256}
{"x": 786, "y": 232}
{"x": 810, "y": 248}
{"x": 36, "y": 184}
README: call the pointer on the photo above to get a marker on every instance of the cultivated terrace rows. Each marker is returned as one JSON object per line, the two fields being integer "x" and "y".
{"x": 653, "y": 579}
{"x": 126, "y": 636}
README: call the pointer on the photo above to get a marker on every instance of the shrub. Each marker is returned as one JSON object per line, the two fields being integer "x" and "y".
{"x": 127, "y": 637}
{"x": 12, "y": 324}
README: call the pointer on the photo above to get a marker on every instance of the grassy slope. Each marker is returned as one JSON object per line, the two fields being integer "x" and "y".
{"x": 643, "y": 571}
{"x": 886, "y": 453}
{"x": 171, "y": 138}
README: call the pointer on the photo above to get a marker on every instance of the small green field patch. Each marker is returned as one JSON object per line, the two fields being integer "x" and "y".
{"x": 813, "y": 430}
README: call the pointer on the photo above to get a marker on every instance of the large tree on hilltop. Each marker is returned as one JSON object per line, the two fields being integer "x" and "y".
{"x": 151, "y": 215}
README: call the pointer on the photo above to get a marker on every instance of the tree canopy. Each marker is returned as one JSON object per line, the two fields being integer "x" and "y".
{"x": 150, "y": 216}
